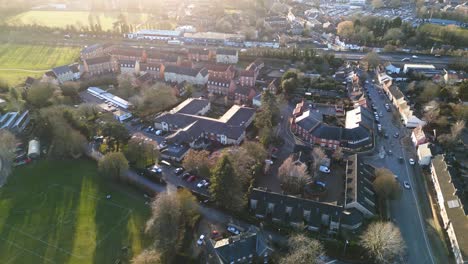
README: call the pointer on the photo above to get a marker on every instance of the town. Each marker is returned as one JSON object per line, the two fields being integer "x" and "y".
{"x": 268, "y": 131}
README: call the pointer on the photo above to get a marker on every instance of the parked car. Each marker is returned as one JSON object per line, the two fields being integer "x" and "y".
{"x": 396, "y": 135}
{"x": 203, "y": 183}
{"x": 192, "y": 178}
{"x": 324, "y": 169}
{"x": 178, "y": 171}
{"x": 185, "y": 175}
{"x": 201, "y": 240}
{"x": 156, "y": 169}
{"x": 411, "y": 161}
{"x": 233, "y": 230}
{"x": 407, "y": 185}
{"x": 158, "y": 132}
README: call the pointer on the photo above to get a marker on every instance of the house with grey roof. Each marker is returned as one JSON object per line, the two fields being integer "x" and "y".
{"x": 179, "y": 74}
{"x": 248, "y": 247}
{"x": 189, "y": 125}
{"x": 63, "y": 73}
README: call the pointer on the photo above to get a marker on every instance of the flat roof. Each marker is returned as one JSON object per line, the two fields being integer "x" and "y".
{"x": 157, "y": 32}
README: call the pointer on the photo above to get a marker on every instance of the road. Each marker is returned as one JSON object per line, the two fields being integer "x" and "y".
{"x": 406, "y": 211}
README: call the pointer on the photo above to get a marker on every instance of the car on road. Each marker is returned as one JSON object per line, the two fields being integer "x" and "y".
{"x": 163, "y": 145}
{"x": 400, "y": 159}
{"x": 201, "y": 240}
{"x": 381, "y": 114}
{"x": 437, "y": 55}
{"x": 411, "y": 162}
{"x": 156, "y": 169}
{"x": 185, "y": 175}
{"x": 324, "y": 169}
{"x": 407, "y": 185}
{"x": 405, "y": 59}
{"x": 379, "y": 127}
{"x": 396, "y": 135}
{"x": 203, "y": 183}
{"x": 233, "y": 230}
{"x": 414, "y": 57}
{"x": 390, "y": 152}
{"x": 178, "y": 171}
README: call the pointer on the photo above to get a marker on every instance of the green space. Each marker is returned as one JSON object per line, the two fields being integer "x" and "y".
{"x": 19, "y": 61}
{"x": 56, "y": 211}
{"x": 77, "y": 19}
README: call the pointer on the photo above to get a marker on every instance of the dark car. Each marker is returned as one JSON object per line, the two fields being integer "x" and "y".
{"x": 185, "y": 175}
{"x": 178, "y": 171}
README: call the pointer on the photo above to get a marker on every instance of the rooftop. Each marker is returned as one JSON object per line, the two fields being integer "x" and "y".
{"x": 191, "y": 106}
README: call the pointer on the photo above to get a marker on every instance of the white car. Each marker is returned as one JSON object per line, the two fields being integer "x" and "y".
{"x": 203, "y": 183}
{"x": 156, "y": 169}
{"x": 200, "y": 240}
{"x": 324, "y": 169}
{"x": 411, "y": 161}
{"x": 407, "y": 185}
{"x": 158, "y": 132}
{"x": 414, "y": 57}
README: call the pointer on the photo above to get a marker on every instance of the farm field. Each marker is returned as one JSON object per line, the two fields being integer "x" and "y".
{"x": 78, "y": 19}
{"x": 19, "y": 61}
{"x": 57, "y": 212}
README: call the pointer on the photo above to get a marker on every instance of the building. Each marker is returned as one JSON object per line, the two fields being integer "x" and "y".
{"x": 190, "y": 126}
{"x": 307, "y": 123}
{"x": 127, "y": 66}
{"x": 302, "y": 213}
{"x": 64, "y": 73}
{"x": 359, "y": 191}
{"x": 247, "y": 78}
{"x": 225, "y": 71}
{"x": 212, "y": 38}
{"x": 418, "y": 136}
{"x": 200, "y": 54}
{"x": 357, "y": 2}
{"x": 227, "y": 56}
{"x": 100, "y": 65}
{"x": 399, "y": 101}
{"x": 109, "y": 98}
{"x": 274, "y": 86}
{"x": 277, "y": 23}
{"x": 34, "y": 149}
{"x": 156, "y": 70}
{"x": 2, "y": 102}
{"x": 248, "y": 247}
{"x": 424, "y": 154}
{"x": 452, "y": 208}
{"x": 244, "y": 94}
{"x": 15, "y": 122}
{"x": 96, "y": 50}
{"x": 222, "y": 86}
{"x": 155, "y": 34}
{"x": 179, "y": 74}
{"x": 417, "y": 67}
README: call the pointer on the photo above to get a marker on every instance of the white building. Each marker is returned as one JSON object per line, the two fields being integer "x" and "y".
{"x": 180, "y": 74}
{"x": 155, "y": 34}
{"x": 424, "y": 154}
{"x": 103, "y": 95}
{"x": 409, "y": 67}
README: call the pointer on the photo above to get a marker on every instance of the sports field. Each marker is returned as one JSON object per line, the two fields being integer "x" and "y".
{"x": 57, "y": 212}
{"x": 78, "y": 19}
{"x": 19, "y": 61}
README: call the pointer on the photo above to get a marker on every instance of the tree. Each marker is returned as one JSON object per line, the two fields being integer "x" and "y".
{"x": 248, "y": 160}
{"x": 225, "y": 186}
{"x": 338, "y": 154}
{"x": 147, "y": 257}
{"x": 430, "y": 91}
{"x": 372, "y": 59}
{"x": 165, "y": 226}
{"x": 303, "y": 250}
{"x": 394, "y": 35}
{"x": 116, "y": 132}
{"x": 383, "y": 242}
{"x": 42, "y": 94}
{"x": 154, "y": 99}
{"x": 431, "y": 111}
{"x": 140, "y": 153}
{"x": 318, "y": 155}
{"x": 376, "y": 4}
{"x": 113, "y": 164}
{"x": 293, "y": 175}
{"x": 385, "y": 184}
{"x": 198, "y": 162}
{"x": 455, "y": 132}
{"x": 7, "y": 155}
{"x": 289, "y": 86}
{"x": 345, "y": 29}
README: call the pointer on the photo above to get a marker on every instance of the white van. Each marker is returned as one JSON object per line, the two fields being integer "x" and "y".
{"x": 324, "y": 169}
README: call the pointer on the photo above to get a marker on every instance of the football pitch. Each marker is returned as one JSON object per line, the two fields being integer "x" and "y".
{"x": 57, "y": 212}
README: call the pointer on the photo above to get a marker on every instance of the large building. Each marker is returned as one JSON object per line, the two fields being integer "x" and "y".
{"x": 179, "y": 74}
{"x": 221, "y": 86}
{"x": 155, "y": 34}
{"x": 452, "y": 207}
{"x": 100, "y": 65}
{"x": 227, "y": 56}
{"x": 190, "y": 126}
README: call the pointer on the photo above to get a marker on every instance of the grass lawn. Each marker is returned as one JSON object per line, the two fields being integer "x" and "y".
{"x": 33, "y": 60}
{"x": 57, "y": 212}
{"x": 78, "y": 19}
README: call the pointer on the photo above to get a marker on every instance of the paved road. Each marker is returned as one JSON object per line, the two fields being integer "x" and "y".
{"x": 398, "y": 57}
{"x": 406, "y": 211}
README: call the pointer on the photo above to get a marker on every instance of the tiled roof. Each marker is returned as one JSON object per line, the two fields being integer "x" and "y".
{"x": 245, "y": 73}
{"x": 191, "y": 106}
{"x": 98, "y": 60}
{"x": 185, "y": 70}
{"x": 226, "y": 52}
{"x": 396, "y": 93}
{"x": 246, "y": 91}
{"x": 218, "y": 67}
{"x": 61, "y": 70}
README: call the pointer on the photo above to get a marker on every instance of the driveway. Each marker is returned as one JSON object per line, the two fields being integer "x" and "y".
{"x": 406, "y": 212}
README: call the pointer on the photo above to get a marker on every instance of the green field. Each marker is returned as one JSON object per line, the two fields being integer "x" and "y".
{"x": 57, "y": 212}
{"x": 19, "y": 61}
{"x": 78, "y": 19}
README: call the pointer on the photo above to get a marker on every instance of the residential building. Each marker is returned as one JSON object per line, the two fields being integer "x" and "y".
{"x": 244, "y": 94}
{"x": 220, "y": 86}
{"x": 156, "y": 70}
{"x": 418, "y": 136}
{"x": 129, "y": 54}
{"x": 359, "y": 191}
{"x": 399, "y": 101}
{"x": 190, "y": 126}
{"x": 100, "y": 65}
{"x": 63, "y": 73}
{"x": 274, "y": 86}
{"x": 127, "y": 66}
{"x": 248, "y": 247}
{"x": 227, "y": 56}
{"x": 225, "y": 71}
{"x": 452, "y": 208}
{"x": 392, "y": 69}
{"x": 424, "y": 154}
{"x": 75, "y": 68}
{"x": 200, "y": 54}
{"x": 247, "y": 78}
{"x": 179, "y": 74}
{"x": 298, "y": 212}
{"x": 96, "y": 50}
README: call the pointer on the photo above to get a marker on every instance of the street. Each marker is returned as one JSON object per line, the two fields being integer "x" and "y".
{"x": 405, "y": 211}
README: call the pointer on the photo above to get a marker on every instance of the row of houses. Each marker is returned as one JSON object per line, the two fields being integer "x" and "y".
{"x": 359, "y": 203}
{"x": 308, "y": 124}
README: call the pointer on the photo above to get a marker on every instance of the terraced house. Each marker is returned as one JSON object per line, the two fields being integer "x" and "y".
{"x": 179, "y": 74}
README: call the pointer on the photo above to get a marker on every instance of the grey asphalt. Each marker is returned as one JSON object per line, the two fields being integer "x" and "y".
{"x": 405, "y": 211}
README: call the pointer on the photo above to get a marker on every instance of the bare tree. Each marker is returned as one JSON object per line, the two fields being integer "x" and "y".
{"x": 383, "y": 241}
{"x": 303, "y": 250}
{"x": 7, "y": 154}
{"x": 293, "y": 175}
{"x": 455, "y": 132}
{"x": 431, "y": 111}
{"x": 338, "y": 154}
{"x": 113, "y": 164}
{"x": 148, "y": 256}
{"x": 385, "y": 184}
